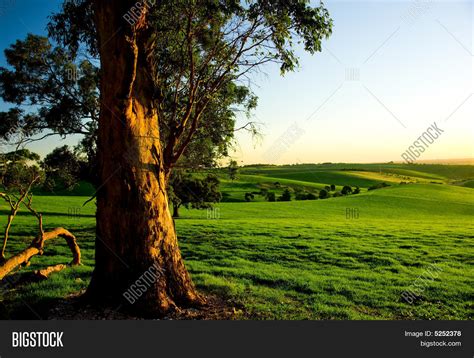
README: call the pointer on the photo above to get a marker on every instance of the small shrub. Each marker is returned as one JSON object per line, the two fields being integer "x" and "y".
{"x": 378, "y": 186}
{"x": 249, "y": 197}
{"x": 286, "y": 196}
{"x": 323, "y": 194}
{"x": 271, "y": 196}
{"x": 346, "y": 190}
{"x": 305, "y": 196}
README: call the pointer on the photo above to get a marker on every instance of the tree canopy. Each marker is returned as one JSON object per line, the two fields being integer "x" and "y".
{"x": 202, "y": 54}
{"x": 197, "y": 193}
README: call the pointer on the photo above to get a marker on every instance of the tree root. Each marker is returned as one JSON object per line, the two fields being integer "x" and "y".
{"x": 36, "y": 248}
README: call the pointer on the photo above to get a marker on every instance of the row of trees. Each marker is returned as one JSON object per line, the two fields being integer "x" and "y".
{"x": 61, "y": 169}
{"x": 298, "y": 194}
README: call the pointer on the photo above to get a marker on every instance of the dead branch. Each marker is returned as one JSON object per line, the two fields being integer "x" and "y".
{"x": 45, "y": 273}
{"x": 36, "y": 248}
{"x": 14, "y": 207}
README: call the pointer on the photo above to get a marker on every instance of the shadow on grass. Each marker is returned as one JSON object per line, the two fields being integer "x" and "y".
{"x": 26, "y": 297}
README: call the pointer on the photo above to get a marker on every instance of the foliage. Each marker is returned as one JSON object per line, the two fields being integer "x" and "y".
{"x": 192, "y": 192}
{"x": 19, "y": 174}
{"x": 303, "y": 195}
{"x": 60, "y": 92}
{"x": 233, "y": 169}
{"x": 249, "y": 197}
{"x": 203, "y": 50}
{"x": 19, "y": 170}
{"x": 378, "y": 186}
{"x": 323, "y": 194}
{"x": 271, "y": 196}
{"x": 286, "y": 195}
{"x": 63, "y": 168}
{"x": 346, "y": 190}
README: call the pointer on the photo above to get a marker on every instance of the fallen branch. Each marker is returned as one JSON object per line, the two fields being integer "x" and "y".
{"x": 36, "y": 248}
{"x": 44, "y": 273}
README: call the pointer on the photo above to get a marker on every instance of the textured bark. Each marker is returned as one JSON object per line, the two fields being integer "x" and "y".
{"x": 36, "y": 248}
{"x": 135, "y": 230}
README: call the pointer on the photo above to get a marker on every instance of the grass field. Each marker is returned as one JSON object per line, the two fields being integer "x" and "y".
{"x": 348, "y": 257}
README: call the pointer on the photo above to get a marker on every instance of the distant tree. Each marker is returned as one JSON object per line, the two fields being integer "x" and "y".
{"x": 233, "y": 169}
{"x": 327, "y": 188}
{"x": 277, "y": 184}
{"x": 63, "y": 168}
{"x": 17, "y": 156}
{"x": 378, "y": 186}
{"x": 271, "y": 196}
{"x": 19, "y": 174}
{"x": 304, "y": 195}
{"x": 17, "y": 168}
{"x": 249, "y": 196}
{"x": 337, "y": 194}
{"x": 346, "y": 190}
{"x": 300, "y": 195}
{"x": 286, "y": 195}
{"x": 333, "y": 187}
{"x": 188, "y": 191}
{"x": 323, "y": 194}
{"x": 263, "y": 192}
{"x": 356, "y": 190}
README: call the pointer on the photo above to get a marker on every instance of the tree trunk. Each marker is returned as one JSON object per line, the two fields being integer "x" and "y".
{"x": 135, "y": 230}
{"x": 175, "y": 211}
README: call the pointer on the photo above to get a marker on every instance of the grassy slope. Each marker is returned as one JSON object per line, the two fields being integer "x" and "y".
{"x": 314, "y": 177}
{"x": 297, "y": 260}
{"x": 426, "y": 171}
{"x": 306, "y": 260}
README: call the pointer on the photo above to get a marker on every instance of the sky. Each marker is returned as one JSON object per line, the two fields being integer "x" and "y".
{"x": 388, "y": 72}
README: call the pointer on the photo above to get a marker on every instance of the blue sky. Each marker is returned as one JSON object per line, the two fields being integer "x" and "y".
{"x": 390, "y": 69}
